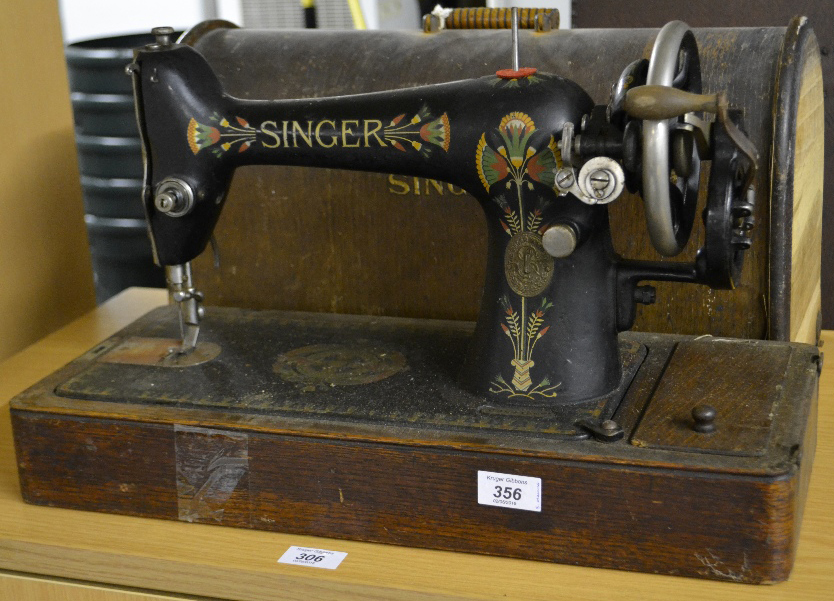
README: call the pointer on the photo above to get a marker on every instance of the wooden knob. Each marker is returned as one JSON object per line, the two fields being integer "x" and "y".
{"x": 662, "y": 102}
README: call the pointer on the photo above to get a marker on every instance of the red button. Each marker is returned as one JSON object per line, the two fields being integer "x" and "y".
{"x": 520, "y": 74}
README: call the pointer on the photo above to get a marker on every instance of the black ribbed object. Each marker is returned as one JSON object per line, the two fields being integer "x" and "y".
{"x": 110, "y": 162}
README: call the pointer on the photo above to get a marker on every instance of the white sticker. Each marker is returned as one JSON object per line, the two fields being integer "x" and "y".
{"x": 316, "y": 558}
{"x": 508, "y": 490}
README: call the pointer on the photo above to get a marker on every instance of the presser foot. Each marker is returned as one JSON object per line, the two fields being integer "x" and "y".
{"x": 189, "y": 300}
{"x": 190, "y": 333}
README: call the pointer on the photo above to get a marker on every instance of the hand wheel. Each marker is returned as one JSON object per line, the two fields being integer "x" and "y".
{"x": 671, "y": 166}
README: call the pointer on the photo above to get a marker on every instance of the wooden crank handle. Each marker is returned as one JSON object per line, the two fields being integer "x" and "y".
{"x": 654, "y": 103}
{"x": 540, "y": 19}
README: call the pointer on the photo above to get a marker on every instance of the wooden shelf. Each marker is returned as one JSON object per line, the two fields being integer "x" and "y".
{"x": 159, "y": 558}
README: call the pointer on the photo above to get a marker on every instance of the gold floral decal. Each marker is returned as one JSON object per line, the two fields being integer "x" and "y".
{"x": 516, "y": 158}
{"x": 421, "y": 128}
{"x": 524, "y": 340}
{"x": 239, "y": 134}
{"x": 520, "y": 163}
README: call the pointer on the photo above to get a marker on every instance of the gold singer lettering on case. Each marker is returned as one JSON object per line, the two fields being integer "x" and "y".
{"x": 419, "y": 186}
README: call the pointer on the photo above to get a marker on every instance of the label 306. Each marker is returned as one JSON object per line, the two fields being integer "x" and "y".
{"x": 309, "y": 557}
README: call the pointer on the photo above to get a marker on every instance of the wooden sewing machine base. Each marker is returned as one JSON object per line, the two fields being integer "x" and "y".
{"x": 353, "y": 427}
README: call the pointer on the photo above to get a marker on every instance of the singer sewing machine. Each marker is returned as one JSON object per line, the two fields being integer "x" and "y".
{"x": 546, "y": 429}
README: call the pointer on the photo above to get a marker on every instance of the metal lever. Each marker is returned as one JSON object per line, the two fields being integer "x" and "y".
{"x": 655, "y": 103}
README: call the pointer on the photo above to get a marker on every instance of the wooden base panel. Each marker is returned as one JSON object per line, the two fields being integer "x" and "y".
{"x": 721, "y": 510}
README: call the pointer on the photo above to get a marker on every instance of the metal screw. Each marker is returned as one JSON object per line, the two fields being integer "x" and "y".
{"x": 174, "y": 197}
{"x": 565, "y": 178}
{"x": 566, "y": 143}
{"x": 609, "y": 425}
{"x": 600, "y": 182}
{"x": 163, "y": 35}
{"x": 165, "y": 202}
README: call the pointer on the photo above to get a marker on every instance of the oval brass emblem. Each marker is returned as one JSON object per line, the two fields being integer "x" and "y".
{"x": 338, "y": 364}
{"x": 527, "y": 265}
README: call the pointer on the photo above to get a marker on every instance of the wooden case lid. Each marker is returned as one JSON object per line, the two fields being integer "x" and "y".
{"x": 346, "y": 242}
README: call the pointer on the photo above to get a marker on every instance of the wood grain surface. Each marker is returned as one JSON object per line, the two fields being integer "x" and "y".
{"x": 702, "y": 372}
{"x": 231, "y": 563}
{"x": 809, "y": 159}
{"x": 28, "y": 587}
{"x": 420, "y": 497}
{"x": 377, "y": 462}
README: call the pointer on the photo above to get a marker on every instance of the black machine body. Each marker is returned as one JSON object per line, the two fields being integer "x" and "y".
{"x": 543, "y": 161}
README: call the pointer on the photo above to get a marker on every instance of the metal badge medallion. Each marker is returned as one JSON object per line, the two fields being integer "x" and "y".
{"x": 527, "y": 265}
{"x": 338, "y": 365}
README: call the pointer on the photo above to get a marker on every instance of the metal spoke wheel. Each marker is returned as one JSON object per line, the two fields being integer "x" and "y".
{"x": 671, "y": 165}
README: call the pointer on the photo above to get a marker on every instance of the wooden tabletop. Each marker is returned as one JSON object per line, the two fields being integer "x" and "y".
{"x": 133, "y": 558}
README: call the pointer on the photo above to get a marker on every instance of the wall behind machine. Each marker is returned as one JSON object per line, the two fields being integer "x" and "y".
{"x": 44, "y": 262}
